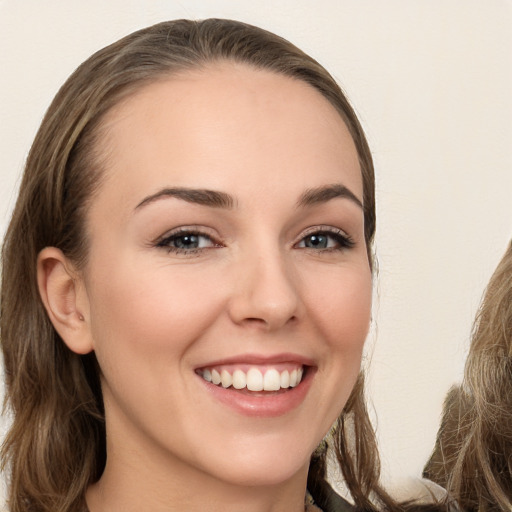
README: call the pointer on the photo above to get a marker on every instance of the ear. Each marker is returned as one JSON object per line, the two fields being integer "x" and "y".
{"x": 64, "y": 296}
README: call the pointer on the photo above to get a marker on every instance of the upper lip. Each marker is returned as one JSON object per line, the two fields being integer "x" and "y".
{"x": 260, "y": 359}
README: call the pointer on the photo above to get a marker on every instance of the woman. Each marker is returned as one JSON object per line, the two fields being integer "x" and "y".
{"x": 187, "y": 283}
{"x": 472, "y": 454}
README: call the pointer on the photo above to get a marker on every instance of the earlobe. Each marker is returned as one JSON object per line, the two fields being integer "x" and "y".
{"x": 65, "y": 299}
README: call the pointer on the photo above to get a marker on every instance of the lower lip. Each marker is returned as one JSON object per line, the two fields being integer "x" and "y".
{"x": 261, "y": 404}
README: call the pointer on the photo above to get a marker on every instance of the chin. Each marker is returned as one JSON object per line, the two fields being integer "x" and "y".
{"x": 264, "y": 466}
{"x": 268, "y": 475}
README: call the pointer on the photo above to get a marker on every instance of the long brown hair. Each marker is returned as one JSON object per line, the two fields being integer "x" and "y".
{"x": 473, "y": 453}
{"x": 56, "y": 446}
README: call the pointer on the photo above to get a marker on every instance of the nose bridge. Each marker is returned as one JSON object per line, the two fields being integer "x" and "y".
{"x": 266, "y": 289}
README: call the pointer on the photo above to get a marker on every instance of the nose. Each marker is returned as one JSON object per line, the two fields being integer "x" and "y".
{"x": 265, "y": 292}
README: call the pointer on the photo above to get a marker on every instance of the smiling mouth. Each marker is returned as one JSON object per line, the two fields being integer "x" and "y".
{"x": 254, "y": 378}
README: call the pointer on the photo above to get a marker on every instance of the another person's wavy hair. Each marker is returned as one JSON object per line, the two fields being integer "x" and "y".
{"x": 472, "y": 458}
{"x": 56, "y": 446}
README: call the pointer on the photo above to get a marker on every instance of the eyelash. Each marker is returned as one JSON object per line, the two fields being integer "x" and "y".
{"x": 341, "y": 239}
{"x": 165, "y": 243}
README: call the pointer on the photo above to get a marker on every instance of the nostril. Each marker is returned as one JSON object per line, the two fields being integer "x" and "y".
{"x": 256, "y": 323}
{"x": 269, "y": 322}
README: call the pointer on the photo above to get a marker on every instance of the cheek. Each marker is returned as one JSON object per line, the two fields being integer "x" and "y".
{"x": 341, "y": 304}
{"x": 340, "y": 308}
{"x": 150, "y": 314}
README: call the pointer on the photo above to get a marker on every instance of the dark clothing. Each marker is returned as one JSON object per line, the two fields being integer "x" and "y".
{"x": 327, "y": 500}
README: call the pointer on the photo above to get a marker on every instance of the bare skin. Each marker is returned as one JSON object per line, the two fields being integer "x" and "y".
{"x": 270, "y": 273}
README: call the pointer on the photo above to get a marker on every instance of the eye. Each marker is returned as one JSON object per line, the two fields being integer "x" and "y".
{"x": 326, "y": 240}
{"x": 185, "y": 241}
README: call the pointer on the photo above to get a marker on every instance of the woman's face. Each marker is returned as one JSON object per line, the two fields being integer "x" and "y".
{"x": 226, "y": 243}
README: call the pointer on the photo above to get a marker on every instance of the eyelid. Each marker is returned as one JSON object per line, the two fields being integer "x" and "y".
{"x": 186, "y": 229}
{"x": 323, "y": 228}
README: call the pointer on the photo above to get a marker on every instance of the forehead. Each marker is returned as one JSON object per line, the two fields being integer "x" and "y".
{"x": 229, "y": 124}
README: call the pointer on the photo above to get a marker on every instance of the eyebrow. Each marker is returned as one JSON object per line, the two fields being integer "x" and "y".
{"x": 203, "y": 197}
{"x": 318, "y": 195}
{"x": 216, "y": 199}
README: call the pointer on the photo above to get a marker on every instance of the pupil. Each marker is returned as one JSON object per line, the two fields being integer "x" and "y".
{"x": 316, "y": 241}
{"x": 186, "y": 242}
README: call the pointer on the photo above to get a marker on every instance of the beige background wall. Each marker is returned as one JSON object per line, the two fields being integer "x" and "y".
{"x": 431, "y": 81}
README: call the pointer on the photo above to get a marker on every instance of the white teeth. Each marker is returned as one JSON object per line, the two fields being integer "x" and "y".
{"x": 254, "y": 379}
{"x": 239, "y": 379}
{"x": 215, "y": 377}
{"x": 226, "y": 379}
{"x": 285, "y": 379}
{"x": 293, "y": 378}
{"x": 272, "y": 380}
